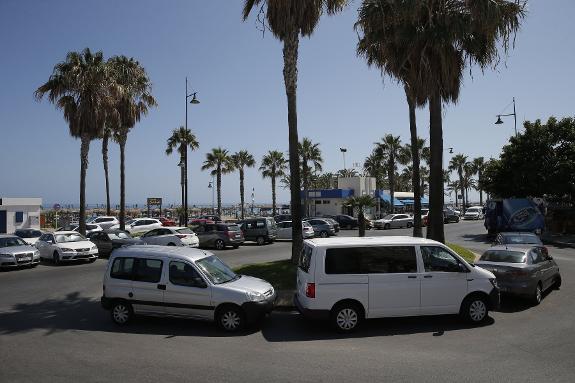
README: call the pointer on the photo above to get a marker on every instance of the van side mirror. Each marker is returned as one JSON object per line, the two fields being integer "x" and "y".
{"x": 462, "y": 268}
{"x": 199, "y": 282}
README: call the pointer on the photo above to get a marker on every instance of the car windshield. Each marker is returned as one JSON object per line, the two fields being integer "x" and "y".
{"x": 304, "y": 223}
{"x": 505, "y": 256}
{"x": 12, "y": 241}
{"x": 233, "y": 228}
{"x": 29, "y": 234}
{"x": 473, "y": 210}
{"x": 185, "y": 230}
{"x": 119, "y": 235}
{"x": 131, "y": 221}
{"x": 389, "y": 216}
{"x": 70, "y": 237}
{"x": 521, "y": 239}
{"x": 217, "y": 271}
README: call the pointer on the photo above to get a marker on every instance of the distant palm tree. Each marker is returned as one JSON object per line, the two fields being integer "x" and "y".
{"x": 359, "y": 203}
{"x": 457, "y": 163}
{"x": 424, "y": 175}
{"x": 324, "y": 181}
{"x": 105, "y": 139}
{"x": 468, "y": 180}
{"x": 390, "y": 148}
{"x": 287, "y": 19}
{"x": 373, "y": 167}
{"x": 346, "y": 173}
{"x": 182, "y": 139}
{"x": 309, "y": 153}
{"x": 219, "y": 161}
{"x": 240, "y": 160}
{"x": 80, "y": 87}
{"x": 273, "y": 166}
{"x": 478, "y": 168}
{"x": 133, "y": 101}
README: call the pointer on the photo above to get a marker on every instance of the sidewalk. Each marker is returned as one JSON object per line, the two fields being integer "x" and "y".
{"x": 559, "y": 240}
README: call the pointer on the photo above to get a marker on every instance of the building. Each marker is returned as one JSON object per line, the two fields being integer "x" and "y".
{"x": 19, "y": 213}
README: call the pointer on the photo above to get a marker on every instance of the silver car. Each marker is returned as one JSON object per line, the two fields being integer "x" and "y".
{"x": 285, "y": 232}
{"x": 322, "y": 227}
{"x": 394, "y": 221}
{"x": 528, "y": 271}
{"x": 14, "y": 252}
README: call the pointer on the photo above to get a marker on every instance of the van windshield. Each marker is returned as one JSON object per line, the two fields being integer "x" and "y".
{"x": 217, "y": 271}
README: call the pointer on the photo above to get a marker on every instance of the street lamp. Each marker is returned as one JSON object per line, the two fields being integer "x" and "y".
{"x": 194, "y": 101}
{"x": 211, "y": 186}
{"x": 514, "y": 114}
{"x": 343, "y": 151}
{"x": 182, "y": 166}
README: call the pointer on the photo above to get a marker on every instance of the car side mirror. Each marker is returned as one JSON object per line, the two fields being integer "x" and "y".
{"x": 462, "y": 268}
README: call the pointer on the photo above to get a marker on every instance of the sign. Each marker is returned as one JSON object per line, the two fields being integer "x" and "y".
{"x": 56, "y": 206}
{"x": 459, "y": 196}
{"x": 154, "y": 201}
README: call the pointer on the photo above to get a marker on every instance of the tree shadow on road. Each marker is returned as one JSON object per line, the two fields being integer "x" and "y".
{"x": 78, "y": 313}
{"x": 481, "y": 238}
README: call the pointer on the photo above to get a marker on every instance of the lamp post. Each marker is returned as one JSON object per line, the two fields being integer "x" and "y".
{"x": 514, "y": 114}
{"x": 211, "y": 186}
{"x": 182, "y": 166}
{"x": 343, "y": 151}
{"x": 193, "y": 101}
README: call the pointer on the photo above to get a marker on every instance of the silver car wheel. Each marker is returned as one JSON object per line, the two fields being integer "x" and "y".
{"x": 347, "y": 319}
{"x": 121, "y": 313}
{"x": 230, "y": 320}
{"x": 538, "y": 294}
{"x": 477, "y": 311}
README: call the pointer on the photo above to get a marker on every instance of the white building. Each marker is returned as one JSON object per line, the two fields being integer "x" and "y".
{"x": 19, "y": 213}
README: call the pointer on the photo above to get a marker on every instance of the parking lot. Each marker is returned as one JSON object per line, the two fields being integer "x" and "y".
{"x": 52, "y": 328}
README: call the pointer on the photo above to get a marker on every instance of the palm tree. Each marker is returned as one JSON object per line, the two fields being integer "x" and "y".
{"x": 105, "y": 139}
{"x": 478, "y": 168}
{"x": 390, "y": 148}
{"x": 182, "y": 139}
{"x": 273, "y": 166}
{"x": 80, "y": 87}
{"x": 288, "y": 19}
{"x": 240, "y": 160}
{"x": 360, "y": 203}
{"x": 324, "y": 181}
{"x": 373, "y": 167}
{"x": 134, "y": 101}
{"x": 457, "y": 163}
{"x": 424, "y": 175}
{"x": 468, "y": 180}
{"x": 220, "y": 162}
{"x": 309, "y": 152}
{"x": 346, "y": 173}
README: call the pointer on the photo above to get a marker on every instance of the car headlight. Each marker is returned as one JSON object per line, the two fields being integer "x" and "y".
{"x": 255, "y": 297}
{"x": 93, "y": 248}
{"x": 36, "y": 253}
{"x": 66, "y": 250}
{"x": 6, "y": 256}
{"x": 493, "y": 282}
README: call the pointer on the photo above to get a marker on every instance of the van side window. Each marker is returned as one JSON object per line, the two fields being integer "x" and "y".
{"x": 343, "y": 260}
{"x": 436, "y": 258}
{"x": 122, "y": 268}
{"x": 183, "y": 274}
{"x": 389, "y": 259}
{"x": 261, "y": 224}
{"x": 148, "y": 270}
{"x": 305, "y": 258}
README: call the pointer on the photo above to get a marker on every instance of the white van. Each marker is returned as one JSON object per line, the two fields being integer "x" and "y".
{"x": 182, "y": 282}
{"x": 348, "y": 279}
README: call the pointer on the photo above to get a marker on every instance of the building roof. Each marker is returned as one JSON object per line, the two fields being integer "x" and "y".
{"x": 183, "y": 253}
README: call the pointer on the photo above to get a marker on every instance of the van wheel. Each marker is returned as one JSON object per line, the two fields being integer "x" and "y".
{"x": 474, "y": 309}
{"x": 219, "y": 244}
{"x": 260, "y": 241}
{"x": 121, "y": 313}
{"x": 324, "y": 234}
{"x": 538, "y": 295}
{"x": 409, "y": 225}
{"x": 387, "y": 226}
{"x": 230, "y": 318}
{"x": 56, "y": 258}
{"x": 346, "y": 316}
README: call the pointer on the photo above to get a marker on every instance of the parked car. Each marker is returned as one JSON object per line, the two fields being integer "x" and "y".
{"x": 90, "y": 228}
{"x": 171, "y": 236}
{"x": 347, "y": 280}
{"x": 220, "y": 235}
{"x": 63, "y": 246}
{"x": 393, "y": 221}
{"x": 15, "y": 252}
{"x": 322, "y": 227}
{"x": 139, "y": 225}
{"x": 182, "y": 282}
{"x": 105, "y": 222}
{"x": 474, "y": 212}
{"x": 448, "y": 217}
{"x": 108, "y": 240}
{"x": 260, "y": 230}
{"x": 199, "y": 221}
{"x": 522, "y": 270}
{"x": 282, "y": 217}
{"x": 30, "y": 236}
{"x": 167, "y": 221}
{"x": 211, "y": 217}
{"x": 512, "y": 239}
{"x": 346, "y": 221}
{"x": 285, "y": 230}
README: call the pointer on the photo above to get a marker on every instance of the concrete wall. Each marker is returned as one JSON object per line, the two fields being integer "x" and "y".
{"x": 30, "y": 209}
{"x": 360, "y": 185}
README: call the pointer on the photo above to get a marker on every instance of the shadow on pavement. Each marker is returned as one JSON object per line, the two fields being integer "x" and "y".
{"x": 482, "y": 238}
{"x": 292, "y": 327}
{"x": 75, "y": 312}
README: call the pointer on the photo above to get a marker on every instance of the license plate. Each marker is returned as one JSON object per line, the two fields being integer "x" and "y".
{"x": 25, "y": 259}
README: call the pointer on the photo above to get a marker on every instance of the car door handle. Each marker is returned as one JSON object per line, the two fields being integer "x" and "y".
{"x": 411, "y": 276}
{"x": 428, "y": 276}
{"x": 161, "y": 287}
{"x": 130, "y": 295}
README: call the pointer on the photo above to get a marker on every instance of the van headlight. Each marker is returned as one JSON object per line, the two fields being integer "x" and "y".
{"x": 255, "y": 297}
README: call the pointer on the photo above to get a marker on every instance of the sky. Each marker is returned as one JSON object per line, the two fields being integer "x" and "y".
{"x": 237, "y": 74}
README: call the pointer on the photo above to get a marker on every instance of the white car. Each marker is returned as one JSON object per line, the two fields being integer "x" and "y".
{"x": 171, "y": 236}
{"x": 284, "y": 229}
{"x": 105, "y": 222}
{"x": 474, "y": 212}
{"x": 393, "y": 221}
{"x": 139, "y": 225}
{"x": 30, "y": 236}
{"x": 63, "y": 246}
{"x": 182, "y": 282}
{"x": 90, "y": 228}
{"x": 347, "y": 280}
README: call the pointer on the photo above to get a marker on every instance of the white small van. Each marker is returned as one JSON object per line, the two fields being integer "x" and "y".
{"x": 182, "y": 282}
{"x": 348, "y": 279}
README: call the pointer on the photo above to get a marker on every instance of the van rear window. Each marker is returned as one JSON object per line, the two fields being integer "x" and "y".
{"x": 305, "y": 258}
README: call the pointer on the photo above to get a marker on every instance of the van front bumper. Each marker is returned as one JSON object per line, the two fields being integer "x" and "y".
{"x": 309, "y": 313}
{"x": 256, "y": 310}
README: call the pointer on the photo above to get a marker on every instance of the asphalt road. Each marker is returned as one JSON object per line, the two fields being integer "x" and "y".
{"x": 53, "y": 329}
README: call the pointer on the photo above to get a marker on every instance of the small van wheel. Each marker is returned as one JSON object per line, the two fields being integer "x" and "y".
{"x": 474, "y": 309}
{"x": 387, "y": 226}
{"x": 230, "y": 318}
{"x": 260, "y": 241}
{"x": 346, "y": 317}
{"x": 219, "y": 244}
{"x": 121, "y": 313}
{"x": 56, "y": 258}
{"x": 538, "y": 295}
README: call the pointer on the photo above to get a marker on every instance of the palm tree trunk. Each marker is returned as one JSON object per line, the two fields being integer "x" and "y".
{"x": 290, "y": 52}
{"x": 186, "y": 185}
{"x": 84, "y": 149}
{"x": 478, "y": 187}
{"x": 417, "y": 191}
{"x": 273, "y": 195}
{"x": 462, "y": 189}
{"x": 242, "y": 191}
{"x": 391, "y": 176}
{"x": 219, "y": 183}
{"x": 435, "y": 230}
{"x": 105, "y": 161}
{"x": 361, "y": 219}
{"x": 305, "y": 186}
{"x": 122, "y": 144}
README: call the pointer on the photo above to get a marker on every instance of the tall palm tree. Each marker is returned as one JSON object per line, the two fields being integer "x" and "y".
{"x": 219, "y": 161}
{"x": 390, "y": 148}
{"x": 80, "y": 87}
{"x": 360, "y": 203}
{"x": 324, "y": 181}
{"x": 309, "y": 153}
{"x": 478, "y": 168}
{"x": 134, "y": 101}
{"x": 457, "y": 164}
{"x": 182, "y": 139}
{"x": 468, "y": 180}
{"x": 240, "y": 160}
{"x": 105, "y": 139}
{"x": 346, "y": 173}
{"x": 287, "y": 19}
{"x": 273, "y": 166}
{"x": 373, "y": 167}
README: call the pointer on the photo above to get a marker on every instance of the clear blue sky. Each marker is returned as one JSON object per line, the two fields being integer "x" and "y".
{"x": 238, "y": 76}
